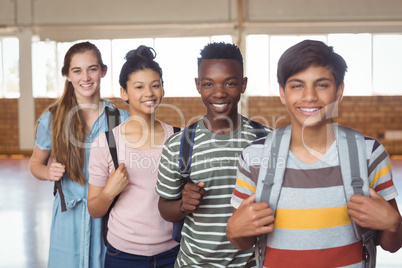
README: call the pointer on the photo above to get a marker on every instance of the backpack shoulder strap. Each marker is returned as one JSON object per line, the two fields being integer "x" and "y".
{"x": 259, "y": 129}
{"x": 353, "y": 163}
{"x": 112, "y": 117}
{"x": 113, "y": 120}
{"x": 277, "y": 148}
{"x": 112, "y": 148}
{"x": 176, "y": 129}
{"x": 186, "y": 151}
{"x": 270, "y": 178}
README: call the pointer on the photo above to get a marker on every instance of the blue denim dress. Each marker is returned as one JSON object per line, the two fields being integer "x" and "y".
{"x": 75, "y": 237}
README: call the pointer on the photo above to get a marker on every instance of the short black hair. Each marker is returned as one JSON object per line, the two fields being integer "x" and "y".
{"x": 307, "y": 53}
{"x": 221, "y": 50}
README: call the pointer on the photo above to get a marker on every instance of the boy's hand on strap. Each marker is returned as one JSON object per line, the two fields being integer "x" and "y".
{"x": 250, "y": 219}
{"x": 373, "y": 212}
{"x": 192, "y": 196}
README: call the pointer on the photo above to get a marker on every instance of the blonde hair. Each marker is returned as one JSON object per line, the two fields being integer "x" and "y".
{"x": 71, "y": 154}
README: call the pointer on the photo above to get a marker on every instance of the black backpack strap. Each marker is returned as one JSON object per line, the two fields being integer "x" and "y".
{"x": 113, "y": 152}
{"x": 57, "y": 187}
{"x": 176, "y": 129}
{"x": 113, "y": 120}
{"x": 112, "y": 148}
{"x": 112, "y": 117}
{"x": 186, "y": 151}
{"x": 259, "y": 129}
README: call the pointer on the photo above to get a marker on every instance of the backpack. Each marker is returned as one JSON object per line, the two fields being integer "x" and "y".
{"x": 353, "y": 164}
{"x": 186, "y": 150}
{"x": 113, "y": 119}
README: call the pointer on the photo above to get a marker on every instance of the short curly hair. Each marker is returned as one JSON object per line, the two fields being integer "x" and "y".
{"x": 221, "y": 50}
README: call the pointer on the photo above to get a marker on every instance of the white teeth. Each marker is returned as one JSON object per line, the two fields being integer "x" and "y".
{"x": 219, "y": 105}
{"x": 149, "y": 102}
{"x": 86, "y": 85}
{"x": 309, "y": 110}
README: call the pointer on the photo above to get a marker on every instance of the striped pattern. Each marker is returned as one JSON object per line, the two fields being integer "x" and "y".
{"x": 214, "y": 161}
{"x": 312, "y": 227}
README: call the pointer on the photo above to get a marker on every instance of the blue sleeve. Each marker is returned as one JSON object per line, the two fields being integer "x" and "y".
{"x": 124, "y": 115}
{"x": 44, "y": 133}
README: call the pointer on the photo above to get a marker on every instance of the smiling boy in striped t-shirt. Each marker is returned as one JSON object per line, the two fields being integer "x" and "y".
{"x": 312, "y": 226}
{"x": 220, "y": 136}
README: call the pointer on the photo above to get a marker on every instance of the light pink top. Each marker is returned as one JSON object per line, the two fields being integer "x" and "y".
{"x": 135, "y": 225}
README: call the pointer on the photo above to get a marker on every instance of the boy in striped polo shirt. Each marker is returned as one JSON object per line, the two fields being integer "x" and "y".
{"x": 220, "y": 136}
{"x": 312, "y": 225}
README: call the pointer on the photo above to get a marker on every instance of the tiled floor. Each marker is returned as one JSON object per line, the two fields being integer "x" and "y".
{"x": 25, "y": 215}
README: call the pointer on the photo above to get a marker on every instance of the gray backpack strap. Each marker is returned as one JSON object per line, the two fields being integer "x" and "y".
{"x": 270, "y": 179}
{"x": 353, "y": 163}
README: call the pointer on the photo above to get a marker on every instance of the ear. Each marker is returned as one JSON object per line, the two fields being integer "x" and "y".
{"x": 339, "y": 92}
{"x": 68, "y": 78}
{"x": 123, "y": 94}
{"x": 104, "y": 71}
{"x": 244, "y": 85}
{"x": 282, "y": 95}
{"x": 197, "y": 85}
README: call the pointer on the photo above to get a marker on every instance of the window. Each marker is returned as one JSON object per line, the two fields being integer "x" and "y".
{"x": 176, "y": 56}
{"x": 372, "y": 60}
{"x": 356, "y": 50}
{"x": 387, "y": 58}
{"x": 9, "y": 68}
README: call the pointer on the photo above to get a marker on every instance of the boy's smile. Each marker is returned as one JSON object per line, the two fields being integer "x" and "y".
{"x": 310, "y": 96}
{"x": 220, "y": 83}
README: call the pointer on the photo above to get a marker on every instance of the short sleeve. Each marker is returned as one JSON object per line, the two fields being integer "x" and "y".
{"x": 44, "y": 132}
{"x": 245, "y": 184}
{"x": 100, "y": 162}
{"x": 379, "y": 170}
{"x": 168, "y": 184}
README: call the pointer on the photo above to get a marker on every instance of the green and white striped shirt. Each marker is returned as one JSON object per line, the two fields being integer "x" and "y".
{"x": 214, "y": 161}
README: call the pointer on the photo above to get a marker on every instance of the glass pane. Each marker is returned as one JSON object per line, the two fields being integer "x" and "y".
{"x": 2, "y": 82}
{"x": 387, "y": 58}
{"x": 256, "y": 60}
{"x": 11, "y": 80}
{"x": 178, "y": 59}
{"x": 355, "y": 49}
{"x": 221, "y": 38}
{"x": 44, "y": 69}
